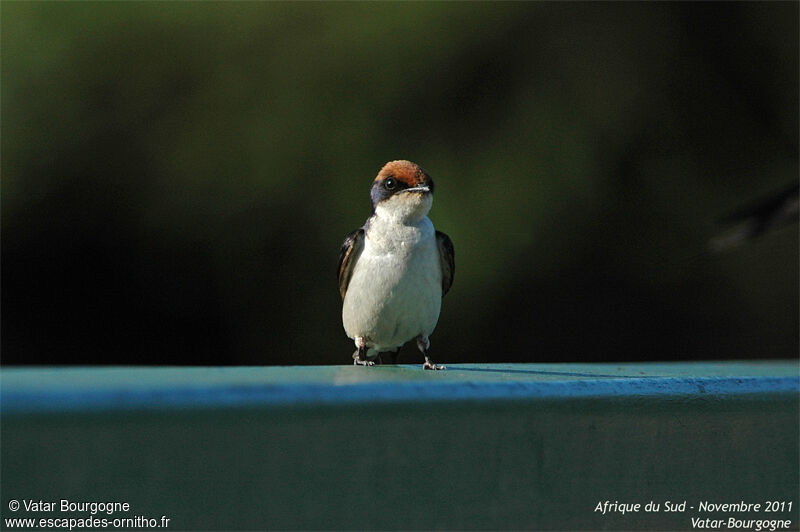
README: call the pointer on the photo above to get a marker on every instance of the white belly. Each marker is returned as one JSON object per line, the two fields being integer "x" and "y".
{"x": 395, "y": 293}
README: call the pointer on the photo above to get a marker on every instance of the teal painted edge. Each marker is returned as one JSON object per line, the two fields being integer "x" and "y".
{"x": 147, "y": 389}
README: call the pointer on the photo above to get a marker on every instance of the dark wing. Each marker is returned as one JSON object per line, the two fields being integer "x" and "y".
{"x": 447, "y": 258}
{"x": 351, "y": 249}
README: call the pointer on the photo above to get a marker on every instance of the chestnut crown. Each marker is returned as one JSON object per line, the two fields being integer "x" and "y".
{"x": 398, "y": 177}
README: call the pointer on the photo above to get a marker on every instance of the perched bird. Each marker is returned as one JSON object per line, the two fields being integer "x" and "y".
{"x": 395, "y": 270}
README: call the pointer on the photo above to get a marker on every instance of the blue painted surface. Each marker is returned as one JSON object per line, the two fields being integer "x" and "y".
{"x": 131, "y": 388}
{"x": 475, "y": 447}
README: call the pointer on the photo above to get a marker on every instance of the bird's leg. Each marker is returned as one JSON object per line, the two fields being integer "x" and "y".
{"x": 360, "y": 356}
{"x": 423, "y": 344}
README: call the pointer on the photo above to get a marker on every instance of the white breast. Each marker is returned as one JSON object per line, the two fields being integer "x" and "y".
{"x": 395, "y": 293}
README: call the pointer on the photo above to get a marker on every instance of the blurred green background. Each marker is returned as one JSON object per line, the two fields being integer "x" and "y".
{"x": 177, "y": 178}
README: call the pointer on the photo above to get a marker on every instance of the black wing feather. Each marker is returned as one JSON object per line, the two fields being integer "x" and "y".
{"x": 447, "y": 258}
{"x": 351, "y": 249}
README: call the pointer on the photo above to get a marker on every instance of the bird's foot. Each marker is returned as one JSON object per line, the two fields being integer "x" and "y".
{"x": 430, "y": 365}
{"x": 360, "y": 358}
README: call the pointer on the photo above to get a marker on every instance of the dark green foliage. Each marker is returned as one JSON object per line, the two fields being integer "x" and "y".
{"x": 178, "y": 177}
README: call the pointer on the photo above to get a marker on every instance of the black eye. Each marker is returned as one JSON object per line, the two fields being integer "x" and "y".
{"x": 390, "y": 184}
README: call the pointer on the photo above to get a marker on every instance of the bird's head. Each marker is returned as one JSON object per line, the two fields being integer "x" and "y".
{"x": 402, "y": 190}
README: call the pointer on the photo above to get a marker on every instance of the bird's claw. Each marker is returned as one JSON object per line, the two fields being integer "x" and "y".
{"x": 358, "y": 362}
{"x": 430, "y": 365}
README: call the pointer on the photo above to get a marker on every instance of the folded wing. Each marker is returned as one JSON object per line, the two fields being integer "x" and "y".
{"x": 447, "y": 260}
{"x": 351, "y": 249}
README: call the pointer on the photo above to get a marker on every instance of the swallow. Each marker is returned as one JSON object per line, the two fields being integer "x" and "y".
{"x": 395, "y": 270}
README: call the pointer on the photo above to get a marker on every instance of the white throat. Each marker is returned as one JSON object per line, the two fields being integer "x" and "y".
{"x": 404, "y": 208}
